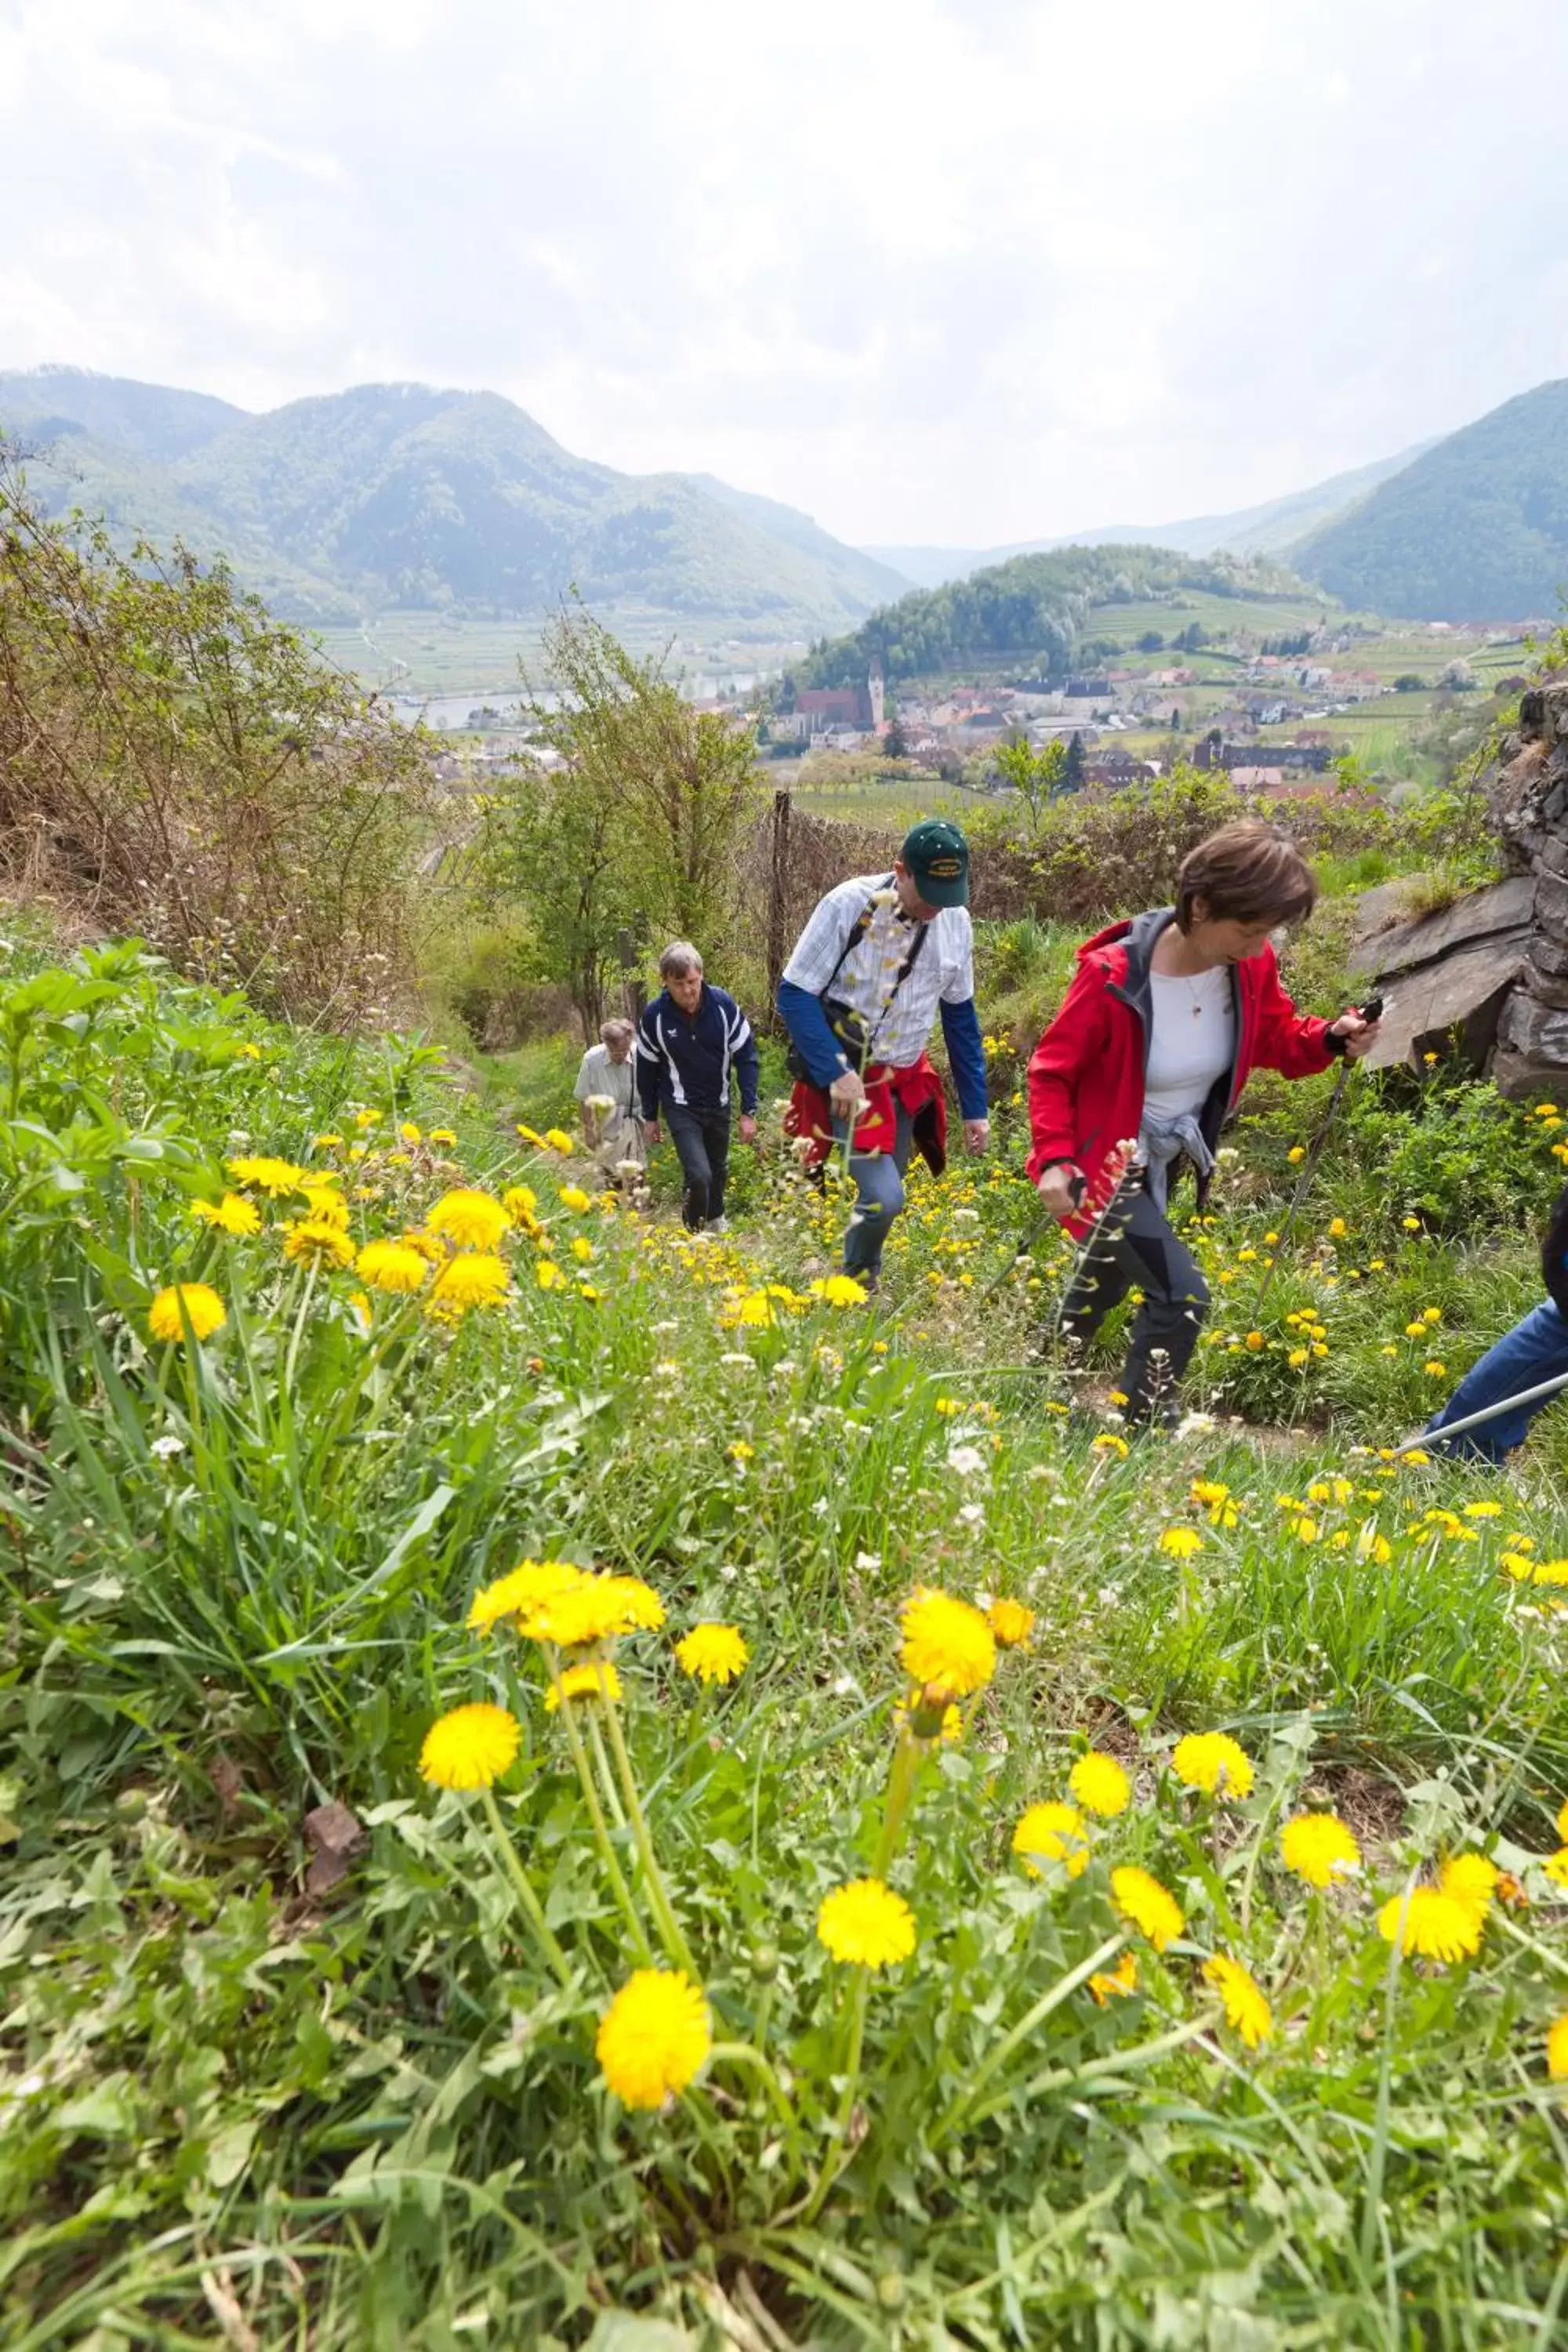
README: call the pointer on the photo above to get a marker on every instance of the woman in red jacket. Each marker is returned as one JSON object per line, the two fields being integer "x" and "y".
{"x": 1166, "y": 1016}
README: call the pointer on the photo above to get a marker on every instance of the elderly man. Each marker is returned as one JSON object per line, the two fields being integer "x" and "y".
{"x": 604, "y": 1089}
{"x": 693, "y": 1042}
{"x": 880, "y": 956}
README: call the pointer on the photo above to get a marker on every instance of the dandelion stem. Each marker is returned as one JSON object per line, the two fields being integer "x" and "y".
{"x": 744, "y": 2054}
{"x": 622, "y": 1892}
{"x": 903, "y": 1774}
{"x": 607, "y": 1778}
{"x": 1000, "y": 2051}
{"x": 674, "y": 1942}
{"x": 524, "y": 1888}
{"x": 299, "y": 1331}
{"x": 828, "y": 2172}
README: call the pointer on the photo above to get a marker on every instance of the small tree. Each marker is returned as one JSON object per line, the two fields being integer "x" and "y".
{"x": 1073, "y": 766}
{"x": 1035, "y": 776}
{"x": 636, "y": 802}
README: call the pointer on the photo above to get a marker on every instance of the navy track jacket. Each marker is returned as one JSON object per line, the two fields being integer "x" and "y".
{"x": 687, "y": 1058}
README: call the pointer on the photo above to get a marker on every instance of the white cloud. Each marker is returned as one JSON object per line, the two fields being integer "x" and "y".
{"x": 950, "y": 269}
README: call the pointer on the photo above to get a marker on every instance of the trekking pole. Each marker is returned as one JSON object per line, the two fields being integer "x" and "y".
{"x": 1371, "y": 1011}
{"x": 1439, "y": 1437}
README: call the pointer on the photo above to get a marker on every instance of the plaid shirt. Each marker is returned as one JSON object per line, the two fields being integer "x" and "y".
{"x": 944, "y": 973}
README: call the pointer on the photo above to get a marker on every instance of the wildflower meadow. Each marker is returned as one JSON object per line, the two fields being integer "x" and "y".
{"x": 568, "y": 1785}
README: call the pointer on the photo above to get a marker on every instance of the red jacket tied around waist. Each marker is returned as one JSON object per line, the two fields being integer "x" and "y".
{"x": 1086, "y": 1074}
{"x": 916, "y": 1088}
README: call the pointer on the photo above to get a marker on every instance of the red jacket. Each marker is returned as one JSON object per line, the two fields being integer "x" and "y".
{"x": 1086, "y": 1074}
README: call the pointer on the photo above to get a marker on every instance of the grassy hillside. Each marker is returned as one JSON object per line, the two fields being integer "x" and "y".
{"x": 374, "y": 1969}
{"x": 399, "y": 495}
{"x": 1476, "y": 529}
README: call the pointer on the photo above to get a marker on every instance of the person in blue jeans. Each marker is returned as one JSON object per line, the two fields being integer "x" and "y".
{"x": 1536, "y": 1349}
{"x": 695, "y": 1046}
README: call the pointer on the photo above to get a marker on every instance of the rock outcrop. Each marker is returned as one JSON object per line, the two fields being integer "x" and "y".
{"x": 1491, "y": 968}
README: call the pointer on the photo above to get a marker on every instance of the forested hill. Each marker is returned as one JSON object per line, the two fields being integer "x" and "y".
{"x": 1476, "y": 529}
{"x": 403, "y": 497}
{"x": 1033, "y": 608}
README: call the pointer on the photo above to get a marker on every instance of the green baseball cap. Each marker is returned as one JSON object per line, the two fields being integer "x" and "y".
{"x": 937, "y": 856}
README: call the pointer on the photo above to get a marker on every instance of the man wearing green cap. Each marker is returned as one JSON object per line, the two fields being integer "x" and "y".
{"x": 880, "y": 956}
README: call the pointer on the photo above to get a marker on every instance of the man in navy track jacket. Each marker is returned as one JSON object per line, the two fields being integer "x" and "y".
{"x": 694, "y": 1046}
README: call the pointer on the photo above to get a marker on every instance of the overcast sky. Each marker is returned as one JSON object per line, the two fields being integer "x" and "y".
{"x": 964, "y": 271}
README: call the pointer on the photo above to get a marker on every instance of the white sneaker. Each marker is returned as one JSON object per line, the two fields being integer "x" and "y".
{"x": 718, "y": 1225}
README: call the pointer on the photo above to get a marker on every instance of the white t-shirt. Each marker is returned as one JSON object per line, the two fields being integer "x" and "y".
{"x": 1191, "y": 1043}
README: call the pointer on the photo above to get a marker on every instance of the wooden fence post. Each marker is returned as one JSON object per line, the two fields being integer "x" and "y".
{"x": 778, "y": 888}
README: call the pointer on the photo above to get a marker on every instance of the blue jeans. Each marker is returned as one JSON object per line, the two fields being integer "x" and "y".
{"x": 1535, "y": 1350}
{"x": 878, "y": 1197}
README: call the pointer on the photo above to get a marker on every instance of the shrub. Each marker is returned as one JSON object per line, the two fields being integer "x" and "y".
{"x": 174, "y": 762}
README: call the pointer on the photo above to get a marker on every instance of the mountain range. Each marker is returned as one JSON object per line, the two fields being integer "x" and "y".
{"x": 1266, "y": 529}
{"x": 397, "y": 497}
{"x": 400, "y": 497}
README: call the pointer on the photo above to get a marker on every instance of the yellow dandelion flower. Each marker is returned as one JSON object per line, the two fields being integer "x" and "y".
{"x": 409, "y": 1133}
{"x": 1147, "y": 1906}
{"x": 1557, "y": 2050}
{"x": 1304, "y": 1530}
{"x": 314, "y": 1241}
{"x": 476, "y": 1279}
{"x": 1180, "y": 1542}
{"x": 948, "y": 1648}
{"x": 1416, "y": 1331}
{"x": 1411, "y": 1224}
{"x": 471, "y": 1747}
{"x": 581, "y": 1249}
{"x": 528, "y": 1134}
{"x": 1471, "y": 1880}
{"x": 257, "y": 1173}
{"x": 1245, "y": 2010}
{"x": 445, "y": 1135}
{"x": 203, "y": 1310}
{"x": 1212, "y": 1761}
{"x": 327, "y": 1142}
{"x": 363, "y": 1118}
{"x": 572, "y": 1197}
{"x": 865, "y": 1925}
{"x": 713, "y": 1653}
{"x": 1101, "y": 1785}
{"x": 1556, "y": 1866}
{"x": 1436, "y": 1926}
{"x": 1297, "y": 1153}
{"x": 654, "y": 2038}
{"x": 232, "y": 1214}
{"x": 520, "y": 1202}
{"x": 468, "y": 1219}
{"x": 428, "y": 1247}
{"x": 391, "y": 1265}
{"x": 548, "y": 1274}
{"x": 1057, "y": 1832}
{"x": 1107, "y": 1441}
{"x": 591, "y": 1678}
{"x": 558, "y": 1140}
{"x": 1122, "y": 1981}
{"x": 840, "y": 1290}
{"x": 1319, "y": 1848}
{"x": 594, "y": 1608}
{"x": 1011, "y": 1622}
{"x": 519, "y": 1590}
{"x": 1563, "y": 1823}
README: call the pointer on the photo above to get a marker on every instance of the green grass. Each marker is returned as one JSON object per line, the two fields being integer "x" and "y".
{"x": 245, "y": 2102}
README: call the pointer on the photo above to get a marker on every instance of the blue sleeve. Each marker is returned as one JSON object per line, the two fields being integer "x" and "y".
{"x": 802, "y": 1014}
{"x": 648, "y": 1065}
{"x": 961, "y": 1033}
{"x": 746, "y": 1069}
